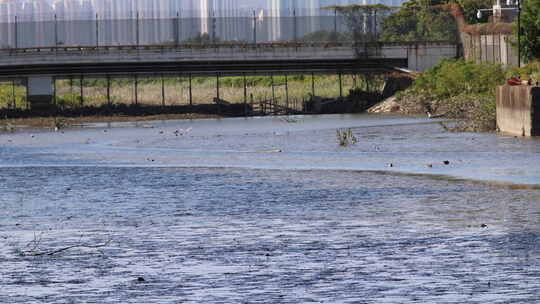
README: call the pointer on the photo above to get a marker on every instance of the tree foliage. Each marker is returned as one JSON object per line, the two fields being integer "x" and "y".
{"x": 420, "y": 20}
{"x": 471, "y": 7}
{"x": 530, "y": 30}
{"x": 416, "y": 20}
{"x": 363, "y": 20}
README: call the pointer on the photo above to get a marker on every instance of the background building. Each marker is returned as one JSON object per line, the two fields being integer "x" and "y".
{"x": 123, "y": 22}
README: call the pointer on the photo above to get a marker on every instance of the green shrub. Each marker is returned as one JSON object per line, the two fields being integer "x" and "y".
{"x": 455, "y": 77}
{"x": 68, "y": 100}
{"x": 7, "y": 98}
{"x": 458, "y": 89}
{"x": 525, "y": 72}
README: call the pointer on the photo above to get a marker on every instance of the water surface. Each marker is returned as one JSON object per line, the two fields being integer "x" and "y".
{"x": 205, "y": 213}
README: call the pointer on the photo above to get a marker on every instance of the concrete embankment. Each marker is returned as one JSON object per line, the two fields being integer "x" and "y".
{"x": 518, "y": 110}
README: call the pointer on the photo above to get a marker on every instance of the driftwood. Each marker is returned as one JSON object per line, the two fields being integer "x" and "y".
{"x": 221, "y": 102}
{"x": 56, "y": 251}
{"x": 35, "y": 251}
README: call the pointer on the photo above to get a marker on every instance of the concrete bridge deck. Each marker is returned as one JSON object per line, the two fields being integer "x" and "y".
{"x": 222, "y": 58}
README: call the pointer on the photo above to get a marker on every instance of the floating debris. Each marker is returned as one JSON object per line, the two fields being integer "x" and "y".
{"x": 290, "y": 120}
{"x": 59, "y": 123}
{"x": 271, "y": 151}
{"x": 182, "y": 132}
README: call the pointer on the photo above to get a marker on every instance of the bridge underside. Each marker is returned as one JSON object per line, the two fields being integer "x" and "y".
{"x": 40, "y": 77}
{"x": 98, "y": 69}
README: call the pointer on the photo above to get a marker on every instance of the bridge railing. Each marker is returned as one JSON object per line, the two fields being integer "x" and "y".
{"x": 141, "y": 29}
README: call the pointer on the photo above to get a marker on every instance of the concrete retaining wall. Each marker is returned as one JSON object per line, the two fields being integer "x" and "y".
{"x": 518, "y": 110}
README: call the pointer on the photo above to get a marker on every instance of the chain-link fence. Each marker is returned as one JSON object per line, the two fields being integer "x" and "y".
{"x": 240, "y": 26}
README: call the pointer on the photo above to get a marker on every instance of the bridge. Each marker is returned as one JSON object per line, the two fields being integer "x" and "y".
{"x": 37, "y": 49}
{"x": 39, "y": 66}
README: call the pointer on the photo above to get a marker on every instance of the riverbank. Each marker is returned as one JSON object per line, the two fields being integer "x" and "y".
{"x": 17, "y": 124}
{"x": 454, "y": 89}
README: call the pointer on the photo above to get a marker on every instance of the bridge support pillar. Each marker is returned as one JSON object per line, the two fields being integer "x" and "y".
{"x": 40, "y": 92}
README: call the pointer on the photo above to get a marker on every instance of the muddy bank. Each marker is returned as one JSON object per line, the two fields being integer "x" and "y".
{"x": 58, "y": 118}
{"x": 52, "y": 122}
{"x": 468, "y": 113}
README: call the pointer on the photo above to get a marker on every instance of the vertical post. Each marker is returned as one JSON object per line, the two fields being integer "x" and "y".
{"x": 287, "y": 92}
{"x": 136, "y": 85}
{"x": 162, "y": 90}
{"x": 312, "y": 84}
{"x": 137, "y": 30}
{"x": 82, "y": 90}
{"x": 13, "y": 97}
{"x": 71, "y": 89}
{"x": 27, "y": 102}
{"x": 217, "y": 93}
{"x": 486, "y": 47}
{"x": 254, "y": 27}
{"x": 335, "y": 26}
{"x": 177, "y": 36}
{"x": 16, "y": 29}
{"x": 294, "y": 26}
{"x": 245, "y": 95}
{"x": 54, "y": 91}
{"x": 340, "y": 86}
{"x": 190, "y": 92}
{"x": 214, "y": 38}
{"x": 273, "y": 89}
{"x": 507, "y": 50}
{"x": 480, "y": 47}
{"x": 55, "y": 31}
{"x": 217, "y": 87}
{"x": 109, "y": 102}
{"x": 519, "y": 32}
{"x": 97, "y": 30}
{"x": 366, "y": 78}
{"x": 375, "y": 34}
{"x": 493, "y": 48}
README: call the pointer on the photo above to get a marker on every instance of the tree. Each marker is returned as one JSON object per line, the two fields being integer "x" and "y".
{"x": 471, "y": 7}
{"x": 530, "y": 30}
{"x": 420, "y": 20}
{"x": 363, "y": 22}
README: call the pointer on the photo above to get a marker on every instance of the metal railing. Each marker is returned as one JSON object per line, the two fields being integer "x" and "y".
{"x": 19, "y": 32}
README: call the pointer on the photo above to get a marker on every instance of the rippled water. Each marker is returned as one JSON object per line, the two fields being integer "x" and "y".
{"x": 210, "y": 217}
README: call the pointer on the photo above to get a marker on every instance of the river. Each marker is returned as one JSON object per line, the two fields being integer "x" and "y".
{"x": 269, "y": 210}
